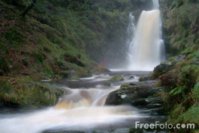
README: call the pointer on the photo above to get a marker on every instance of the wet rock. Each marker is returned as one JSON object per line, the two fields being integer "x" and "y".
{"x": 154, "y": 105}
{"x": 117, "y": 78}
{"x": 145, "y": 78}
{"x": 51, "y": 131}
{"x": 131, "y": 77}
{"x": 154, "y": 100}
{"x": 140, "y": 102}
{"x": 161, "y": 69}
{"x": 133, "y": 94}
{"x": 142, "y": 95}
{"x": 119, "y": 130}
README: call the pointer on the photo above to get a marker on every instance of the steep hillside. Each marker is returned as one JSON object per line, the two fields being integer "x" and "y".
{"x": 180, "y": 75}
{"x": 38, "y": 43}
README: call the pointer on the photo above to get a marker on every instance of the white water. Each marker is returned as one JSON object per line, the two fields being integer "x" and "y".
{"x": 81, "y": 109}
{"x": 146, "y": 49}
{"x": 81, "y": 118}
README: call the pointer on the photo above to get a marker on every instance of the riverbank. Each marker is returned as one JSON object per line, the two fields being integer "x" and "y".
{"x": 23, "y": 92}
{"x": 179, "y": 75}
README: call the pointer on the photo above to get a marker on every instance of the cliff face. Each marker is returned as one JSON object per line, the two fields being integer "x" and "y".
{"x": 181, "y": 76}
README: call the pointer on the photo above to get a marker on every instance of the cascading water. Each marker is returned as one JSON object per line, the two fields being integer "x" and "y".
{"x": 81, "y": 109}
{"x": 130, "y": 28}
{"x": 146, "y": 49}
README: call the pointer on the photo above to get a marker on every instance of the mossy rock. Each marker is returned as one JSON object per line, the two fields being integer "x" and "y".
{"x": 128, "y": 93}
{"x": 23, "y": 92}
{"x": 117, "y": 78}
{"x": 161, "y": 69}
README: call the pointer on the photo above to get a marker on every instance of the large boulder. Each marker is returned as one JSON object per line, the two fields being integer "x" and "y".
{"x": 161, "y": 69}
{"x": 134, "y": 94}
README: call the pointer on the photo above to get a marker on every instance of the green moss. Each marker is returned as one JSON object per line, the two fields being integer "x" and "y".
{"x": 117, "y": 78}
{"x": 5, "y": 87}
{"x": 195, "y": 92}
{"x": 23, "y": 92}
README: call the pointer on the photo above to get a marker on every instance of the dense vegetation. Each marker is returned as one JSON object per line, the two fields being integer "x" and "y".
{"x": 180, "y": 76}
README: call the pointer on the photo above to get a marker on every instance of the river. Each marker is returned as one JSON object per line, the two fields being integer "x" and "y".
{"x": 83, "y": 109}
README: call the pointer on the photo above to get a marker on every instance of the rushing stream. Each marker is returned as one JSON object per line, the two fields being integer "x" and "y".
{"x": 81, "y": 109}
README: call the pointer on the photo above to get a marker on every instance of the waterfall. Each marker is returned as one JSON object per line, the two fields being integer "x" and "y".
{"x": 146, "y": 49}
{"x": 156, "y": 4}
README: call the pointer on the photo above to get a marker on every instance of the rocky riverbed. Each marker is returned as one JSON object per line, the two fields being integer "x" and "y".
{"x": 105, "y": 103}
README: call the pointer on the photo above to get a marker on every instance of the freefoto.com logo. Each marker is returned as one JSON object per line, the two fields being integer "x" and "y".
{"x": 164, "y": 126}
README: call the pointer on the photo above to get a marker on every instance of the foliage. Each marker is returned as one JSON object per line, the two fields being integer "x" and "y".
{"x": 4, "y": 67}
{"x": 191, "y": 115}
{"x": 20, "y": 3}
{"x": 195, "y": 92}
{"x": 181, "y": 31}
{"x": 176, "y": 91}
{"x": 23, "y": 92}
{"x": 188, "y": 75}
{"x": 181, "y": 25}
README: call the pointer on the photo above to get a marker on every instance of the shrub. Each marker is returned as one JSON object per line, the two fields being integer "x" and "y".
{"x": 195, "y": 93}
{"x": 13, "y": 37}
{"x": 188, "y": 76}
{"x": 4, "y": 67}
